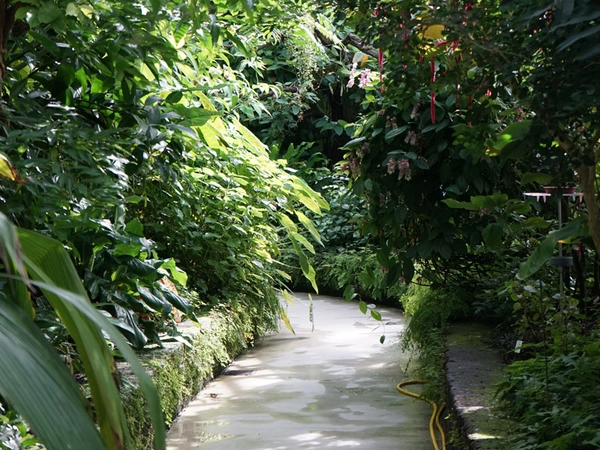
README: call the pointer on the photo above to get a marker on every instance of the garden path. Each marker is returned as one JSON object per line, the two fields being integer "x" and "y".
{"x": 331, "y": 387}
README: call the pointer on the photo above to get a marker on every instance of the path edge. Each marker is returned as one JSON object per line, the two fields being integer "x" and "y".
{"x": 472, "y": 369}
{"x": 180, "y": 371}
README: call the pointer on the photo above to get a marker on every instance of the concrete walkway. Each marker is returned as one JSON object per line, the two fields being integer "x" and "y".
{"x": 334, "y": 387}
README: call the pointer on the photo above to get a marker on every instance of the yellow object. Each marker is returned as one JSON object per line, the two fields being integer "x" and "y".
{"x": 7, "y": 170}
{"x": 434, "y": 422}
{"x": 433, "y": 32}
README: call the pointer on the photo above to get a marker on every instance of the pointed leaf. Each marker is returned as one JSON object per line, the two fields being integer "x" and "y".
{"x": 349, "y": 293}
{"x": 41, "y": 251}
{"x": 492, "y": 236}
{"x": 178, "y": 302}
{"x": 511, "y": 133}
{"x": 7, "y": 170}
{"x": 455, "y": 204}
{"x": 288, "y": 224}
{"x": 535, "y": 178}
{"x": 146, "y": 385}
{"x": 576, "y": 37}
{"x": 11, "y": 254}
{"x": 307, "y": 269}
{"x": 287, "y": 297}
{"x": 302, "y": 240}
{"x": 176, "y": 273}
{"x": 375, "y": 315}
{"x": 39, "y": 386}
{"x": 286, "y": 321}
{"x": 363, "y": 307}
{"x": 308, "y": 224}
{"x": 545, "y": 250}
{"x": 61, "y": 285}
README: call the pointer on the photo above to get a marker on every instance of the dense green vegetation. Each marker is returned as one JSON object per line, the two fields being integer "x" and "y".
{"x": 477, "y": 104}
{"x": 122, "y": 141}
{"x": 183, "y": 153}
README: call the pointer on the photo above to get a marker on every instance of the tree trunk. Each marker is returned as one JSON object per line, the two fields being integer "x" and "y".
{"x": 587, "y": 179}
{"x": 587, "y": 176}
{"x": 7, "y": 20}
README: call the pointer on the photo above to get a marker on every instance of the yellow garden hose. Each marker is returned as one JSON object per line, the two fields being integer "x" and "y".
{"x": 435, "y": 416}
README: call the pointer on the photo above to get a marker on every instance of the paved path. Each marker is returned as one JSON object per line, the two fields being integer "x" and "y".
{"x": 334, "y": 387}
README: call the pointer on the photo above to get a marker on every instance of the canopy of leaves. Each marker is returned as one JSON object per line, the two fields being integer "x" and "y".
{"x": 472, "y": 100}
{"x": 121, "y": 132}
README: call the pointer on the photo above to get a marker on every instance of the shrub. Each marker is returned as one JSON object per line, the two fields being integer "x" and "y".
{"x": 556, "y": 399}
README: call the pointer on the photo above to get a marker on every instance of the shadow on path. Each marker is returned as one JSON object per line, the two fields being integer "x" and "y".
{"x": 334, "y": 387}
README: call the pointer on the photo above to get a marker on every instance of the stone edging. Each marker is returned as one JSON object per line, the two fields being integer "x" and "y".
{"x": 181, "y": 371}
{"x": 472, "y": 369}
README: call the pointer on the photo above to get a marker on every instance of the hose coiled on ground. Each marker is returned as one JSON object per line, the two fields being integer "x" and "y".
{"x": 434, "y": 422}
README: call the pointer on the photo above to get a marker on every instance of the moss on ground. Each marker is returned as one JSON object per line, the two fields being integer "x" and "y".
{"x": 179, "y": 371}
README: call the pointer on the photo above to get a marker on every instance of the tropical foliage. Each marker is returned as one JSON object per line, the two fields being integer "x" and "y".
{"x": 474, "y": 105}
{"x": 175, "y": 150}
{"x": 123, "y": 145}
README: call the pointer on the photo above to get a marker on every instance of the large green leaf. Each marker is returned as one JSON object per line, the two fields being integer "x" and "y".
{"x": 40, "y": 387}
{"x": 176, "y": 273}
{"x": 545, "y": 250}
{"x": 307, "y": 269}
{"x": 492, "y": 236}
{"x": 459, "y": 205}
{"x": 46, "y": 260}
{"x": 305, "y": 243}
{"x": 10, "y": 252}
{"x": 51, "y": 269}
{"x": 535, "y": 178}
{"x": 309, "y": 226}
{"x": 511, "y": 133}
{"x": 98, "y": 320}
{"x": 478, "y": 202}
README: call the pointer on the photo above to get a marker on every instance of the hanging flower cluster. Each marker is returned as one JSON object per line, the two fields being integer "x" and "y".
{"x": 352, "y": 75}
{"x": 403, "y": 167}
{"x": 415, "y": 113}
{"x": 351, "y": 167}
{"x": 411, "y": 138}
{"x": 391, "y": 166}
{"x": 364, "y": 78}
{"x": 363, "y": 150}
{"x": 404, "y": 170}
{"x": 391, "y": 122}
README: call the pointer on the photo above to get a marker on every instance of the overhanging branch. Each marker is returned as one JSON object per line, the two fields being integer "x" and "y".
{"x": 355, "y": 41}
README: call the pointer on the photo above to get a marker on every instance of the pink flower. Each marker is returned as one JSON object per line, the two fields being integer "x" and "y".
{"x": 354, "y": 168}
{"x": 391, "y": 165}
{"x": 352, "y": 75}
{"x": 404, "y": 170}
{"x": 414, "y": 114}
{"x": 411, "y": 138}
{"x": 363, "y": 150}
{"x": 364, "y": 78}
